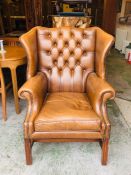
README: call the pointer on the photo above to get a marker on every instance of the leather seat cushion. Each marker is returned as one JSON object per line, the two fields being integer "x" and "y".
{"x": 65, "y": 111}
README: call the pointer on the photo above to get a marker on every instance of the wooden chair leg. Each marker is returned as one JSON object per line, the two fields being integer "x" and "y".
{"x": 4, "y": 105}
{"x": 105, "y": 144}
{"x": 28, "y": 152}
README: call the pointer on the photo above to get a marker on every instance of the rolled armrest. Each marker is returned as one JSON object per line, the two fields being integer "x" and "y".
{"x": 34, "y": 91}
{"x": 99, "y": 91}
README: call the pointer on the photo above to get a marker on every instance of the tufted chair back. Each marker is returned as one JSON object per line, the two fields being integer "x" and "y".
{"x": 66, "y": 55}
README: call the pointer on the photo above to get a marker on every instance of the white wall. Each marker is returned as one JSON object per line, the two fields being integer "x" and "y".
{"x": 123, "y": 26}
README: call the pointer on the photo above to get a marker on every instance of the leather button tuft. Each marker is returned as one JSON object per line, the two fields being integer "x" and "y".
{"x": 78, "y": 63}
{"x": 55, "y": 62}
{"x": 48, "y": 52}
{"x": 78, "y": 44}
{"x": 60, "y": 33}
{"x": 49, "y": 35}
{"x": 66, "y": 62}
{"x": 84, "y": 53}
{"x": 54, "y": 43}
{"x": 49, "y": 70}
{"x": 71, "y": 34}
{"x": 60, "y": 53}
{"x": 84, "y": 35}
{"x": 72, "y": 70}
{"x": 66, "y": 44}
{"x": 72, "y": 53}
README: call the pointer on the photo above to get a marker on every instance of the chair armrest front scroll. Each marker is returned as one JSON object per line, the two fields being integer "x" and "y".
{"x": 34, "y": 91}
{"x": 99, "y": 91}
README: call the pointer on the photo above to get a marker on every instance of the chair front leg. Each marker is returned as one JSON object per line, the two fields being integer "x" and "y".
{"x": 28, "y": 151}
{"x": 104, "y": 157}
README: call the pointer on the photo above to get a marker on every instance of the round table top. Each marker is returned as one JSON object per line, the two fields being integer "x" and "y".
{"x": 12, "y": 53}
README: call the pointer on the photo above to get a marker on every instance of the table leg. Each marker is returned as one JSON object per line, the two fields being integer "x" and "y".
{"x": 4, "y": 104}
{"x": 15, "y": 89}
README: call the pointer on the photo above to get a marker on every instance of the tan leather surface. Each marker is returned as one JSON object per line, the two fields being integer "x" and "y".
{"x": 34, "y": 90}
{"x": 104, "y": 41}
{"x": 66, "y": 56}
{"x": 29, "y": 42}
{"x": 67, "y": 134}
{"x": 97, "y": 89}
{"x": 67, "y": 111}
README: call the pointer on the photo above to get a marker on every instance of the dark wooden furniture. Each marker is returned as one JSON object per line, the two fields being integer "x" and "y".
{"x": 11, "y": 41}
{"x": 103, "y": 13}
{"x": 13, "y": 13}
{"x": 109, "y": 16}
{"x": 35, "y": 13}
{"x": 2, "y": 30}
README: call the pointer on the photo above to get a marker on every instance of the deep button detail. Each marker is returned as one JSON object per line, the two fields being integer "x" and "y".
{"x": 49, "y": 70}
{"x": 84, "y": 53}
{"x": 48, "y": 52}
{"x": 60, "y": 53}
{"x": 49, "y": 35}
{"x": 78, "y": 63}
{"x": 55, "y": 62}
{"x": 60, "y": 69}
{"x": 66, "y": 44}
{"x": 60, "y": 34}
{"x": 72, "y": 53}
{"x": 54, "y": 43}
{"x": 84, "y": 35}
{"x": 66, "y": 62}
{"x": 78, "y": 44}
{"x": 71, "y": 34}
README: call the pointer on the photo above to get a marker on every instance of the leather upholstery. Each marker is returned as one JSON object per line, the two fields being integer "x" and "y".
{"x": 66, "y": 57}
{"x": 97, "y": 89}
{"x": 67, "y": 111}
{"x": 66, "y": 88}
{"x": 103, "y": 42}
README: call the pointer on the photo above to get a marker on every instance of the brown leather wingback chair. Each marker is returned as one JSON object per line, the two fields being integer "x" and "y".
{"x": 66, "y": 88}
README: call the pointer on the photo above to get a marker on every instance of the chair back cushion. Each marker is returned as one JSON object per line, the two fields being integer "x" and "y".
{"x": 66, "y": 56}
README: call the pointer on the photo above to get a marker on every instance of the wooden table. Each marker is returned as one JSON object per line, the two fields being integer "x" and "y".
{"x": 12, "y": 58}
